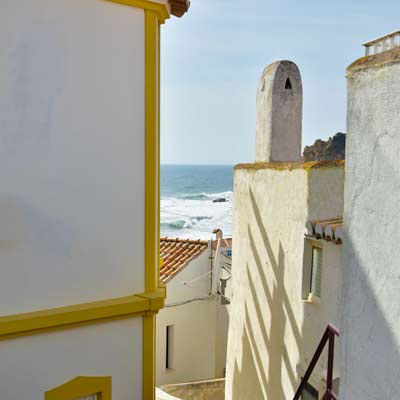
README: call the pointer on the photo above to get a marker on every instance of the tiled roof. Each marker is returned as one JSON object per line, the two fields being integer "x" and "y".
{"x": 330, "y": 230}
{"x": 179, "y": 7}
{"x": 177, "y": 253}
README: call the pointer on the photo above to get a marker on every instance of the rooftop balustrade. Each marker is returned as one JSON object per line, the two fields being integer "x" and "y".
{"x": 383, "y": 43}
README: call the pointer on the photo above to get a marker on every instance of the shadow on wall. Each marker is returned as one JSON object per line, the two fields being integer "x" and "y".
{"x": 371, "y": 306}
{"x": 369, "y": 350}
{"x": 262, "y": 379}
{"x": 369, "y": 347}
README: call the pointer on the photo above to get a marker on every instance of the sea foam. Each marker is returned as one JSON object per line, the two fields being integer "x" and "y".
{"x": 195, "y": 215}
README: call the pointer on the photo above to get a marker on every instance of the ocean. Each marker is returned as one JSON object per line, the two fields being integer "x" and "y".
{"x": 195, "y": 200}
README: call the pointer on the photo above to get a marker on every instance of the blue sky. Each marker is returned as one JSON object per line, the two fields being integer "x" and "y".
{"x": 212, "y": 59}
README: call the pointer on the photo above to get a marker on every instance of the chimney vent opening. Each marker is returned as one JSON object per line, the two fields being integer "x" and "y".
{"x": 288, "y": 84}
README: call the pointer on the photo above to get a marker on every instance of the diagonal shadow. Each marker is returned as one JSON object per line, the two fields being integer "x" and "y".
{"x": 275, "y": 268}
{"x": 274, "y": 302}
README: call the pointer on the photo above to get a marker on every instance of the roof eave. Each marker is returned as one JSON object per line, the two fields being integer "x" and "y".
{"x": 179, "y": 7}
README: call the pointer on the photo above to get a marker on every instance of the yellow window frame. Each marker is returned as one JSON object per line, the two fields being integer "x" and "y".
{"x": 82, "y": 386}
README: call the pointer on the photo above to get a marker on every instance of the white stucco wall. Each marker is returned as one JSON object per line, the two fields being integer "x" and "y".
{"x": 194, "y": 342}
{"x": 200, "y": 327}
{"x": 71, "y": 152}
{"x": 273, "y": 332}
{"x": 371, "y": 324}
{"x": 318, "y": 315}
{"x": 221, "y": 334}
{"x": 198, "y": 271}
{"x": 33, "y": 365}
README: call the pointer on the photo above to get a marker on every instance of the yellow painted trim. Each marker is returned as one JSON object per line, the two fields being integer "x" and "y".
{"x": 161, "y": 10}
{"x": 82, "y": 386}
{"x": 152, "y": 168}
{"x": 149, "y": 357}
{"x": 151, "y": 150}
{"x": 156, "y": 299}
{"x": 159, "y": 147}
{"x": 61, "y": 317}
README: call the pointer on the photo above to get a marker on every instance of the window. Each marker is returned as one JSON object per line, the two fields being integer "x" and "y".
{"x": 309, "y": 393}
{"x": 312, "y": 270}
{"x": 316, "y": 266}
{"x": 170, "y": 347}
{"x": 288, "y": 84}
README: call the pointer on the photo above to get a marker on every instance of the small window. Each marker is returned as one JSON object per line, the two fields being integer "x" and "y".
{"x": 309, "y": 393}
{"x": 170, "y": 347}
{"x": 312, "y": 270}
{"x": 288, "y": 84}
{"x": 316, "y": 266}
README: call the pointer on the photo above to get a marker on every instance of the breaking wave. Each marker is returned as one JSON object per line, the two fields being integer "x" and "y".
{"x": 181, "y": 223}
{"x": 196, "y": 215}
{"x": 176, "y": 224}
{"x": 208, "y": 196}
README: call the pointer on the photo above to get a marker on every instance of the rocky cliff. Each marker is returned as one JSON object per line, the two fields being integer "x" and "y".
{"x": 331, "y": 149}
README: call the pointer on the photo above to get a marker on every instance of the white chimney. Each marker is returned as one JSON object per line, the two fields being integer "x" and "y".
{"x": 279, "y": 113}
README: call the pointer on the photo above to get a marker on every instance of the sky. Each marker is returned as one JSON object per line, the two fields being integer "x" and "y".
{"x": 212, "y": 59}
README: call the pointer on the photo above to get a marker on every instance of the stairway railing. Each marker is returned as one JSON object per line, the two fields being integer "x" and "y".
{"x": 329, "y": 336}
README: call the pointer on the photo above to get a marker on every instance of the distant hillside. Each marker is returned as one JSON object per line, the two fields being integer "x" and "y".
{"x": 331, "y": 149}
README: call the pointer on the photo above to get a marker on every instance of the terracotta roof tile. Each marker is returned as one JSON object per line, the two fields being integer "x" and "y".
{"x": 177, "y": 253}
{"x": 330, "y": 230}
{"x": 179, "y": 7}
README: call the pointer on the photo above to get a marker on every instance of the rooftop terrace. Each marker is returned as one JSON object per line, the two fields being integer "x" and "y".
{"x": 383, "y": 43}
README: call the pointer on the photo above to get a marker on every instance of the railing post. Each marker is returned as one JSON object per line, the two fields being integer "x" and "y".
{"x": 328, "y": 336}
{"x": 331, "y": 351}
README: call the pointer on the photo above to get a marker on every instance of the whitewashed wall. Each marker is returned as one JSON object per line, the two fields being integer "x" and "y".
{"x": 273, "y": 332}
{"x": 30, "y": 366}
{"x": 318, "y": 316}
{"x": 199, "y": 327}
{"x": 371, "y": 324}
{"x": 71, "y": 152}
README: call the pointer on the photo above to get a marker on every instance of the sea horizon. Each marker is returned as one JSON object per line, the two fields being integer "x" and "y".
{"x": 195, "y": 200}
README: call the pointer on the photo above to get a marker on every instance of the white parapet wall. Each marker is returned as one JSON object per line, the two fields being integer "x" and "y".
{"x": 371, "y": 325}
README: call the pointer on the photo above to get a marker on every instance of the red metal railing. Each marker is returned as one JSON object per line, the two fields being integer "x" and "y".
{"x": 329, "y": 336}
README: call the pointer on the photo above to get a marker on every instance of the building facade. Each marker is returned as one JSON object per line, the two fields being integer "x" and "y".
{"x": 192, "y": 329}
{"x": 79, "y": 165}
{"x": 371, "y": 307}
{"x": 286, "y": 287}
